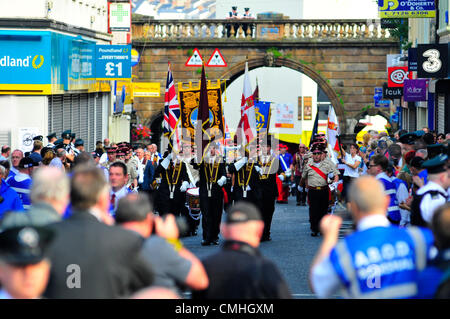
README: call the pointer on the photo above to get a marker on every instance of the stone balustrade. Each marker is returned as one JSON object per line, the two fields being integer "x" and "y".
{"x": 251, "y": 30}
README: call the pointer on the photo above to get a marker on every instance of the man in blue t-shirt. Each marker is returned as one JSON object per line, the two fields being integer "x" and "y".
{"x": 378, "y": 260}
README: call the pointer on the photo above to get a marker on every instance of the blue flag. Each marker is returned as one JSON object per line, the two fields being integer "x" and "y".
{"x": 262, "y": 112}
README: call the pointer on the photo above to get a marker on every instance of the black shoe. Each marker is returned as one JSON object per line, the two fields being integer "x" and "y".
{"x": 266, "y": 238}
{"x": 299, "y": 204}
{"x": 314, "y": 234}
{"x": 215, "y": 242}
{"x": 206, "y": 243}
{"x": 194, "y": 233}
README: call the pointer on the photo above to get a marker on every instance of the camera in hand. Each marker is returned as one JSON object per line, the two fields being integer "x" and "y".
{"x": 182, "y": 225}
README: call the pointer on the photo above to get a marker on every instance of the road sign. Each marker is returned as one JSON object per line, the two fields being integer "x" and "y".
{"x": 113, "y": 62}
{"x": 216, "y": 60}
{"x": 195, "y": 60}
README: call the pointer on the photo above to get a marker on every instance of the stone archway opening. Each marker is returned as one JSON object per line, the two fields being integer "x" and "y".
{"x": 300, "y": 81}
{"x": 268, "y": 61}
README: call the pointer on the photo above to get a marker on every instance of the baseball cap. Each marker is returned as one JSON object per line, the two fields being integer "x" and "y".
{"x": 27, "y": 162}
{"x": 95, "y": 154}
{"x": 242, "y": 212}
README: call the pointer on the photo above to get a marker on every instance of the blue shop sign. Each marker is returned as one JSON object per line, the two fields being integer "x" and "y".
{"x": 113, "y": 62}
{"x": 25, "y": 61}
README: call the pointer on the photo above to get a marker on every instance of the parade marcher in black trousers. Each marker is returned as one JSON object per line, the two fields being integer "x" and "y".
{"x": 212, "y": 178}
{"x": 270, "y": 167}
{"x": 171, "y": 194}
{"x": 315, "y": 174}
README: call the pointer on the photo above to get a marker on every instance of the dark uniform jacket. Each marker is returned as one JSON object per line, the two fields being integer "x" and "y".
{"x": 239, "y": 271}
{"x": 268, "y": 176}
{"x": 254, "y": 195}
{"x": 108, "y": 258}
{"x": 178, "y": 175}
{"x": 205, "y": 168}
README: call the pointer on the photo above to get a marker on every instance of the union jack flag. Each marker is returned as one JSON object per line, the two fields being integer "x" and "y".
{"x": 171, "y": 108}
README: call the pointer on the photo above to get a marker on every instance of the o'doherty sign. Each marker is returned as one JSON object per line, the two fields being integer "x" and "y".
{"x": 415, "y": 90}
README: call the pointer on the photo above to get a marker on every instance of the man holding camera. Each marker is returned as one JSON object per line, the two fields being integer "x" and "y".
{"x": 172, "y": 263}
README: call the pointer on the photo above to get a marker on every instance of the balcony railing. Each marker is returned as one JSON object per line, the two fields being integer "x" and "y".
{"x": 167, "y": 30}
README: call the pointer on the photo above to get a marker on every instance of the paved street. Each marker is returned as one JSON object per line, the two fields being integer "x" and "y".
{"x": 292, "y": 248}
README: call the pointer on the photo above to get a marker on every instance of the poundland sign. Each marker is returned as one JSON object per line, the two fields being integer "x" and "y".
{"x": 36, "y": 62}
{"x": 25, "y": 62}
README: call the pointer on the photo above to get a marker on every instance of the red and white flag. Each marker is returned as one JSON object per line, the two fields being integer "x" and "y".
{"x": 333, "y": 131}
{"x": 248, "y": 116}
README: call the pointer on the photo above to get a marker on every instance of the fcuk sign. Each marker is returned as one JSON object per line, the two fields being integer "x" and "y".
{"x": 392, "y": 92}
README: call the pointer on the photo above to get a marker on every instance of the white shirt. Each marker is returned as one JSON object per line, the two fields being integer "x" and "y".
{"x": 429, "y": 204}
{"x": 103, "y": 158}
{"x": 348, "y": 171}
{"x": 402, "y": 195}
{"x": 140, "y": 169}
{"x": 324, "y": 279}
{"x": 119, "y": 194}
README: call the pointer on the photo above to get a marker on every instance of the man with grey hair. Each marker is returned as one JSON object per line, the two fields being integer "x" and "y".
{"x": 378, "y": 260}
{"x": 60, "y": 159}
{"x": 49, "y": 195}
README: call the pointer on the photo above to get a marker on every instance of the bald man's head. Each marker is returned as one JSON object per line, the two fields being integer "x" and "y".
{"x": 366, "y": 195}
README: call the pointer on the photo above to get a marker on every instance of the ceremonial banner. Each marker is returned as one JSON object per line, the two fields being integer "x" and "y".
{"x": 202, "y": 132}
{"x": 189, "y": 99}
{"x": 262, "y": 112}
{"x": 333, "y": 132}
{"x": 248, "y": 116}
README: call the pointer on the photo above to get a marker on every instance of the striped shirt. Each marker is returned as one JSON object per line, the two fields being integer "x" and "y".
{"x": 21, "y": 183}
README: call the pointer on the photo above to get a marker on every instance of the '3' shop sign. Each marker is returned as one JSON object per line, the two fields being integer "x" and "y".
{"x": 432, "y": 60}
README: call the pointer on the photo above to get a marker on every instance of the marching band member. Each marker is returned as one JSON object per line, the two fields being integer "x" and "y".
{"x": 270, "y": 167}
{"x": 212, "y": 179}
{"x": 171, "y": 194}
{"x": 283, "y": 187}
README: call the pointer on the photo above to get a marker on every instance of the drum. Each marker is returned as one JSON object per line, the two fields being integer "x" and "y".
{"x": 193, "y": 198}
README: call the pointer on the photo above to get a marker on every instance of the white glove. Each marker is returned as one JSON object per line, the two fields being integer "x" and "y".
{"x": 238, "y": 165}
{"x": 258, "y": 169}
{"x": 288, "y": 173}
{"x": 281, "y": 177}
{"x": 222, "y": 181}
{"x": 184, "y": 186}
{"x": 299, "y": 188}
